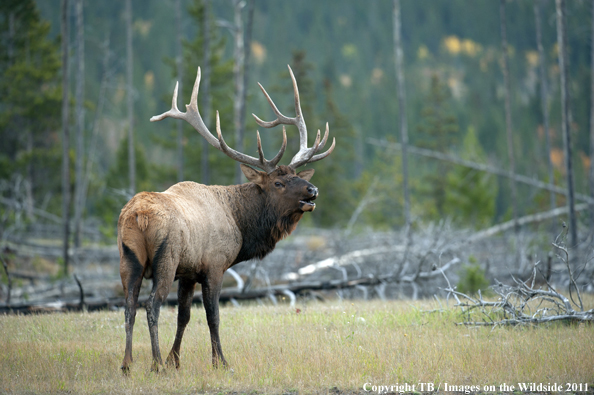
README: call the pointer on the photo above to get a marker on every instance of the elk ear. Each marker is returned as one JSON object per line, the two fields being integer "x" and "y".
{"x": 255, "y": 176}
{"x": 306, "y": 174}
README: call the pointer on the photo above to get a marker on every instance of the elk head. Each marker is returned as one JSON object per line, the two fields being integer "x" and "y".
{"x": 274, "y": 179}
{"x": 293, "y": 191}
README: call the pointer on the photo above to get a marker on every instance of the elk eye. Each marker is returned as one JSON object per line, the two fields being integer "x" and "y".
{"x": 278, "y": 184}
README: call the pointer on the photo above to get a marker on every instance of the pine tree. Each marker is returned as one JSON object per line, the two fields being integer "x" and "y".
{"x": 30, "y": 98}
{"x": 113, "y": 192}
{"x": 437, "y": 131}
{"x": 221, "y": 167}
{"x": 471, "y": 194}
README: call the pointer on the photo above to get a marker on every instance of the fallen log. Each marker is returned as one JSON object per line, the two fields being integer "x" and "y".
{"x": 227, "y": 294}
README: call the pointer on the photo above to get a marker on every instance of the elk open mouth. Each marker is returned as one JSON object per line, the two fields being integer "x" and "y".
{"x": 308, "y": 204}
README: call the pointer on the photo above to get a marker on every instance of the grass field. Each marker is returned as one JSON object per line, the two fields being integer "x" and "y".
{"x": 277, "y": 350}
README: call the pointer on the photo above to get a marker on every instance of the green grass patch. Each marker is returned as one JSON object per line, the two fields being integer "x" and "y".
{"x": 277, "y": 350}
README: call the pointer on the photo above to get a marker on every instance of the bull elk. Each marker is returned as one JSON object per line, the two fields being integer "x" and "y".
{"x": 194, "y": 233}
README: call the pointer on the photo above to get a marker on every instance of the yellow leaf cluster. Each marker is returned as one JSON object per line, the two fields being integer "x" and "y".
{"x": 456, "y": 46}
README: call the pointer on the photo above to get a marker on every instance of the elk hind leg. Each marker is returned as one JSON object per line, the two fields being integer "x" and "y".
{"x": 185, "y": 293}
{"x": 164, "y": 265}
{"x": 131, "y": 273}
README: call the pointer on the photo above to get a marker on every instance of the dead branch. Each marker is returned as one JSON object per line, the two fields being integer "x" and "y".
{"x": 480, "y": 166}
{"x": 522, "y": 303}
{"x": 229, "y": 294}
{"x": 565, "y": 259}
{"x": 538, "y": 217}
{"x": 82, "y": 293}
{"x": 8, "y": 279}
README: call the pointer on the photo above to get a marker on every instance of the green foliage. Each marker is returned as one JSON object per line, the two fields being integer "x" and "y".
{"x": 453, "y": 81}
{"x": 336, "y": 173}
{"x": 30, "y": 95}
{"x": 221, "y": 87}
{"x": 471, "y": 194}
{"x": 472, "y": 279}
{"x": 386, "y": 209}
{"x": 436, "y": 131}
{"x": 109, "y": 204}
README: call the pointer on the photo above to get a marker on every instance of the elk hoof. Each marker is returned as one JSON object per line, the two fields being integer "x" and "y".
{"x": 155, "y": 367}
{"x": 125, "y": 370}
{"x": 172, "y": 362}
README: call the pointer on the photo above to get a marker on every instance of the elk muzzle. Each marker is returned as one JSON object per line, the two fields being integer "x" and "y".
{"x": 307, "y": 204}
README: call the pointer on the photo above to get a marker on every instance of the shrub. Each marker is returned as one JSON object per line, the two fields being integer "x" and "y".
{"x": 472, "y": 278}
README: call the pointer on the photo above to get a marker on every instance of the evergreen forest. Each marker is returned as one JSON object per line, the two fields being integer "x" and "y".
{"x": 343, "y": 56}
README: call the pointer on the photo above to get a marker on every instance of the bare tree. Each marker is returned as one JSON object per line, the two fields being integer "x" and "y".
{"x": 508, "y": 119}
{"x": 98, "y": 114}
{"x": 242, "y": 91}
{"x": 206, "y": 99}
{"x": 480, "y": 167}
{"x": 129, "y": 76}
{"x": 238, "y": 70}
{"x": 11, "y": 34}
{"x": 180, "y": 77}
{"x": 80, "y": 123}
{"x": 65, "y": 137}
{"x": 241, "y": 52}
{"x": 561, "y": 42}
{"x": 402, "y": 108}
{"x": 592, "y": 128}
{"x": 544, "y": 96}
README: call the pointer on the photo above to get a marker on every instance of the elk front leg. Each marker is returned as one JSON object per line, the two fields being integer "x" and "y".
{"x": 211, "y": 289}
{"x": 185, "y": 293}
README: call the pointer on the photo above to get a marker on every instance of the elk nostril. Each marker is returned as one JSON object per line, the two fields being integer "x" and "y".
{"x": 312, "y": 190}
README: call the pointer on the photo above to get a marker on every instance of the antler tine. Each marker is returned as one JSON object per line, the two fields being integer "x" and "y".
{"x": 318, "y": 157}
{"x": 174, "y": 112}
{"x": 280, "y": 153}
{"x": 194, "y": 96}
{"x": 274, "y": 161}
{"x": 305, "y": 154}
{"x": 192, "y": 116}
{"x": 325, "y": 139}
{"x": 280, "y": 117}
{"x": 260, "y": 152}
{"x": 296, "y": 91}
{"x": 266, "y": 165}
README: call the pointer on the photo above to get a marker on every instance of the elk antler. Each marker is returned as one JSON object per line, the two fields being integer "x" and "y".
{"x": 305, "y": 154}
{"x": 192, "y": 116}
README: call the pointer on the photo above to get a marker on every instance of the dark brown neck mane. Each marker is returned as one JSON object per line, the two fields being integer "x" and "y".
{"x": 260, "y": 224}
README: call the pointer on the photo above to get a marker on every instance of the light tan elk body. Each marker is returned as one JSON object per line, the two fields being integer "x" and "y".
{"x": 193, "y": 232}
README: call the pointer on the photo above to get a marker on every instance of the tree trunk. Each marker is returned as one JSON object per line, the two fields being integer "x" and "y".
{"x": 129, "y": 76}
{"x": 180, "y": 78}
{"x": 80, "y": 120}
{"x": 98, "y": 114}
{"x": 29, "y": 173}
{"x": 238, "y": 69}
{"x": 11, "y": 33}
{"x": 544, "y": 97}
{"x": 561, "y": 42}
{"x": 242, "y": 91}
{"x": 401, "y": 108}
{"x": 65, "y": 138}
{"x": 592, "y": 128}
{"x": 29, "y": 147}
{"x": 480, "y": 167}
{"x": 206, "y": 99}
{"x": 508, "y": 119}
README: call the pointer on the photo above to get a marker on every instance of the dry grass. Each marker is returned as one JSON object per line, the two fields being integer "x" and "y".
{"x": 276, "y": 350}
